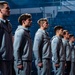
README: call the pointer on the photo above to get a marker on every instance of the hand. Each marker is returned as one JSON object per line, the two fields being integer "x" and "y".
{"x": 20, "y": 66}
{"x": 40, "y": 64}
{"x": 65, "y": 64}
{"x": 56, "y": 65}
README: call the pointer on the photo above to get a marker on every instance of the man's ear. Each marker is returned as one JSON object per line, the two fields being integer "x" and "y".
{"x": 23, "y": 21}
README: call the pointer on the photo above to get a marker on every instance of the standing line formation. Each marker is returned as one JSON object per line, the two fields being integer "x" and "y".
{"x": 16, "y": 52}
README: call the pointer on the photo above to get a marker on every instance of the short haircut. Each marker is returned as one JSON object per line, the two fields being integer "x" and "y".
{"x": 64, "y": 32}
{"x": 24, "y": 17}
{"x": 57, "y": 28}
{"x": 2, "y": 3}
{"x": 71, "y": 35}
{"x": 41, "y": 21}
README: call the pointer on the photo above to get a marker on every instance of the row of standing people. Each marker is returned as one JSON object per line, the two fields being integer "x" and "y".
{"x": 21, "y": 48}
{"x": 63, "y": 52}
{"x": 60, "y": 48}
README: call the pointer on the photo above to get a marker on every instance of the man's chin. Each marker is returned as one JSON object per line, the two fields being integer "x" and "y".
{"x": 28, "y": 26}
{"x": 7, "y": 15}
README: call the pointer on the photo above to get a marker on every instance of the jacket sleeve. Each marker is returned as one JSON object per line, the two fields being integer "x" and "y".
{"x": 54, "y": 47}
{"x": 18, "y": 41}
{"x": 37, "y": 47}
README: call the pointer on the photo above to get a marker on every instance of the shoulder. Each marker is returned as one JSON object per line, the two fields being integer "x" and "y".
{"x": 39, "y": 33}
{"x": 55, "y": 39}
{"x": 64, "y": 41}
{"x": 19, "y": 32}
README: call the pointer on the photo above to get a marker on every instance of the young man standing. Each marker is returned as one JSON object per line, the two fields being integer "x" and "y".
{"x": 71, "y": 42}
{"x": 58, "y": 54}
{"x": 67, "y": 49}
{"x": 6, "y": 45}
{"x": 41, "y": 48}
{"x": 23, "y": 46}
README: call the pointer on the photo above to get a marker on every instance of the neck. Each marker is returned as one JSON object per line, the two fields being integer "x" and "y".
{"x": 1, "y": 16}
{"x": 70, "y": 41}
{"x": 24, "y": 26}
{"x": 42, "y": 28}
{"x": 65, "y": 38}
{"x": 57, "y": 35}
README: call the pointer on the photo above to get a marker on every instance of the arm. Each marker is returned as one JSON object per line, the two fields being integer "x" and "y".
{"x": 54, "y": 47}
{"x": 18, "y": 40}
{"x": 36, "y": 47}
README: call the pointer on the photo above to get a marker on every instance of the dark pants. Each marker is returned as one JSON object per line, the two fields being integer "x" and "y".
{"x": 5, "y": 67}
{"x": 13, "y": 71}
{"x": 68, "y": 67}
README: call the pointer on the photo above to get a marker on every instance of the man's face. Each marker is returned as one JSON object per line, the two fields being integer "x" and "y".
{"x": 61, "y": 32}
{"x": 45, "y": 25}
{"x": 5, "y": 11}
{"x": 28, "y": 22}
{"x": 67, "y": 35}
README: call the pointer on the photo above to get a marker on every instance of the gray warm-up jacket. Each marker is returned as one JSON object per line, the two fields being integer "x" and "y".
{"x": 58, "y": 53}
{"x": 67, "y": 49}
{"x": 22, "y": 45}
{"x": 6, "y": 45}
{"x": 41, "y": 47}
{"x": 72, "y": 52}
